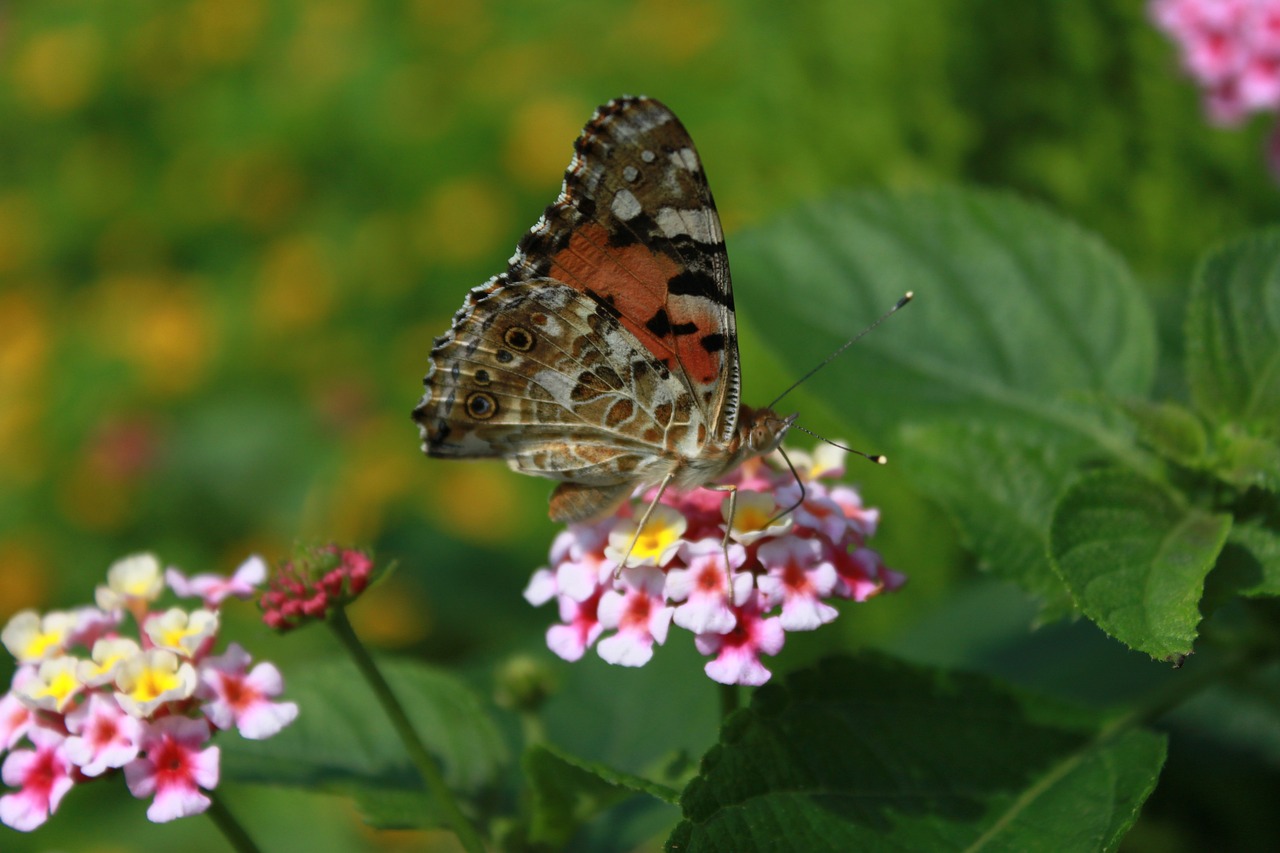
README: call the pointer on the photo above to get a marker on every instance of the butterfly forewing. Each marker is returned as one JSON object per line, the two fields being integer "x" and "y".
{"x": 636, "y": 228}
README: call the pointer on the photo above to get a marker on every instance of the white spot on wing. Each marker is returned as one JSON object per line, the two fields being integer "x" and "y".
{"x": 685, "y": 159}
{"x": 693, "y": 223}
{"x": 625, "y": 205}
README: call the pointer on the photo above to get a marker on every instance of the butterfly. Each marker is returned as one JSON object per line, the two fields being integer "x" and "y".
{"x": 606, "y": 355}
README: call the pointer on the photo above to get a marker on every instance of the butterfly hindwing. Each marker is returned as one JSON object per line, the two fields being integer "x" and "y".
{"x": 543, "y": 376}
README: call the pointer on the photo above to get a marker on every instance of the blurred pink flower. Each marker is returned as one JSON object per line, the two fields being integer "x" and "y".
{"x": 174, "y": 768}
{"x": 1231, "y": 48}
{"x": 43, "y": 777}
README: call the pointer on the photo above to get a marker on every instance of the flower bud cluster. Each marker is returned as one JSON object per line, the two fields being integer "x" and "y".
{"x": 305, "y": 588}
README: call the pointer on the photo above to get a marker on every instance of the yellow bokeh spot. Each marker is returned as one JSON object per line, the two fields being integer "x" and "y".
{"x": 463, "y": 220}
{"x": 24, "y": 580}
{"x": 90, "y": 503}
{"x": 375, "y": 476}
{"x": 295, "y": 286}
{"x": 160, "y": 324}
{"x": 475, "y": 502}
{"x": 322, "y": 51}
{"x": 24, "y": 341}
{"x": 20, "y": 234}
{"x": 259, "y": 187}
{"x": 58, "y": 70}
{"x": 25, "y": 344}
{"x": 458, "y": 27}
{"x": 671, "y": 30}
{"x": 222, "y": 32}
{"x": 392, "y": 614}
{"x": 537, "y": 149}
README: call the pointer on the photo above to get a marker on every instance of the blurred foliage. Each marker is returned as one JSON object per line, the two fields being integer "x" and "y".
{"x": 230, "y": 229}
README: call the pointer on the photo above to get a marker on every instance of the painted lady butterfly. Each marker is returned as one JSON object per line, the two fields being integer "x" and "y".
{"x": 606, "y": 356}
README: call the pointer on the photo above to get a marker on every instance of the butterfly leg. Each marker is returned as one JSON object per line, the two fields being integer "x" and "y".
{"x": 799, "y": 482}
{"x": 728, "y": 525}
{"x": 644, "y": 519}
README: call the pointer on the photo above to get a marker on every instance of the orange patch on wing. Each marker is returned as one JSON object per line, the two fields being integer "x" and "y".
{"x": 634, "y": 279}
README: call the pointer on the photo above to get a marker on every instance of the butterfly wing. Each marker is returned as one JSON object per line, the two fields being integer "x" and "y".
{"x": 635, "y": 228}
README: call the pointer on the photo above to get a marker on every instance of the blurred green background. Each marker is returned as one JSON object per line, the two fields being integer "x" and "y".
{"x": 230, "y": 230}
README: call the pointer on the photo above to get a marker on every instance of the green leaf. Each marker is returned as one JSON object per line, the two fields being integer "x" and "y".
{"x": 1135, "y": 559}
{"x": 1250, "y": 561}
{"x": 1246, "y": 460}
{"x": 566, "y": 792}
{"x": 1000, "y": 485}
{"x": 1233, "y": 334}
{"x": 341, "y": 740}
{"x": 867, "y": 753}
{"x": 993, "y": 380}
{"x": 1016, "y": 309}
{"x": 1170, "y": 430}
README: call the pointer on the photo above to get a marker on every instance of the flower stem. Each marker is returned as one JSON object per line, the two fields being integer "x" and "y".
{"x": 418, "y": 753}
{"x": 229, "y": 826}
{"x": 729, "y": 698}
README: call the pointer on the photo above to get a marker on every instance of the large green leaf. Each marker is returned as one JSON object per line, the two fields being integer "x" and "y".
{"x": 341, "y": 741}
{"x": 1000, "y": 485}
{"x": 1135, "y": 559}
{"x": 871, "y": 754}
{"x": 991, "y": 381}
{"x": 1015, "y": 308}
{"x": 1233, "y": 334}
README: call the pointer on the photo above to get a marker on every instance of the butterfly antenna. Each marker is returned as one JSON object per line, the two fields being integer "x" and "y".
{"x": 907, "y": 297}
{"x": 878, "y": 458}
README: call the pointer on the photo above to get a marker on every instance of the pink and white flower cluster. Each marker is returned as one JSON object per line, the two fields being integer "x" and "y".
{"x": 1231, "y": 48}
{"x": 88, "y": 700}
{"x": 778, "y": 572}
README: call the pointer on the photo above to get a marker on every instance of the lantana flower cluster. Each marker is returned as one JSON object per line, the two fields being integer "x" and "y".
{"x": 778, "y": 573}
{"x": 123, "y": 687}
{"x": 1231, "y": 48}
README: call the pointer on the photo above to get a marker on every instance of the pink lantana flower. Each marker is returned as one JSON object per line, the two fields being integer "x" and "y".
{"x": 737, "y": 653}
{"x": 15, "y": 716}
{"x": 1231, "y": 48}
{"x": 581, "y": 627}
{"x": 240, "y": 697}
{"x": 708, "y": 587}
{"x": 88, "y": 698}
{"x": 174, "y": 768}
{"x": 213, "y": 589}
{"x": 103, "y": 736}
{"x": 640, "y": 616}
{"x": 784, "y": 553}
{"x": 799, "y": 577}
{"x": 43, "y": 777}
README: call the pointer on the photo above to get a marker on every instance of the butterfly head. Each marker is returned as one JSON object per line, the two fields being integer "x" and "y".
{"x": 762, "y": 430}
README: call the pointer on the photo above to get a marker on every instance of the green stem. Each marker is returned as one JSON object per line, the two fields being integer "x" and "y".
{"x": 229, "y": 826}
{"x": 418, "y": 753}
{"x": 729, "y": 697}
